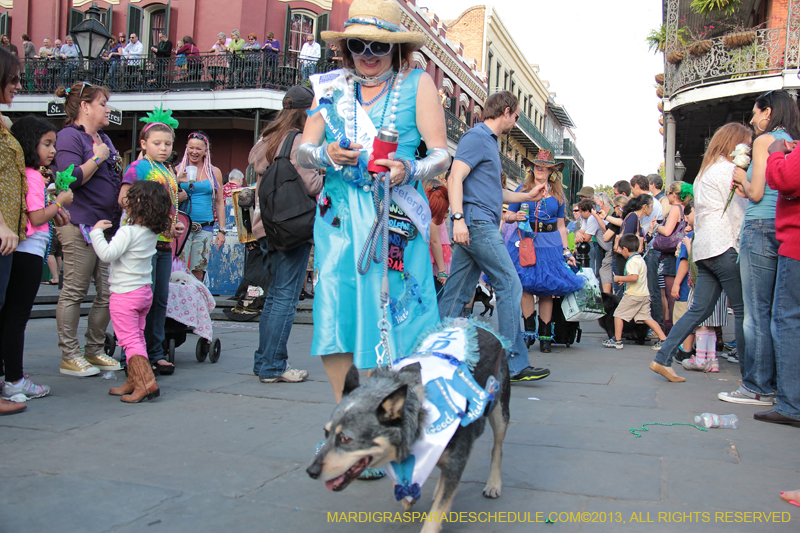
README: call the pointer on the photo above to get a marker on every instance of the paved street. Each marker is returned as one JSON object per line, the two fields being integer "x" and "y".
{"x": 220, "y": 451}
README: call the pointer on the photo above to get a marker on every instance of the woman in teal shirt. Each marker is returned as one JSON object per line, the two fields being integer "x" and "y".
{"x": 775, "y": 116}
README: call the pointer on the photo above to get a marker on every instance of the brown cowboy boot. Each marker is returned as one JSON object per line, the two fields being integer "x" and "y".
{"x": 144, "y": 381}
{"x": 125, "y": 388}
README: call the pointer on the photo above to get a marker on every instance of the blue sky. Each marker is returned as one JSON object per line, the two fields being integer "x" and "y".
{"x": 596, "y": 60}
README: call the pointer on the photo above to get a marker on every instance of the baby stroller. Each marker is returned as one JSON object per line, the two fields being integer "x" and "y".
{"x": 175, "y": 331}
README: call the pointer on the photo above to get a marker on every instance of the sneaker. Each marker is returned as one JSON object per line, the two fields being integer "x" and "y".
{"x": 26, "y": 387}
{"x": 682, "y": 356}
{"x": 78, "y": 367}
{"x": 739, "y": 396}
{"x": 613, "y": 343}
{"x": 290, "y": 375}
{"x": 652, "y": 335}
{"x": 732, "y": 356}
{"x": 657, "y": 345}
{"x": 531, "y": 374}
{"x": 103, "y": 362}
{"x": 693, "y": 364}
{"x": 730, "y": 346}
{"x": 712, "y": 365}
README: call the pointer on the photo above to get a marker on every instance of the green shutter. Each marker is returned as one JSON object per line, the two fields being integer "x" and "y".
{"x": 166, "y": 21}
{"x": 107, "y": 19}
{"x": 288, "y": 30}
{"x": 4, "y": 23}
{"x": 75, "y": 18}
{"x": 134, "y": 20}
{"x": 322, "y": 25}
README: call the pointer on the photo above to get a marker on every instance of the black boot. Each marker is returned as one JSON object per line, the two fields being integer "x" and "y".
{"x": 530, "y": 330}
{"x": 545, "y": 336}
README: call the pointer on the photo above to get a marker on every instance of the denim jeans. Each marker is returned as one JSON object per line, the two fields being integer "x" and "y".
{"x": 758, "y": 264}
{"x": 786, "y": 337}
{"x": 286, "y": 268}
{"x": 5, "y": 275}
{"x": 651, "y": 259}
{"x": 154, "y": 326}
{"x": 713, "y": 275}
{"x": 487, "y": 252}
{"x": 308, "y": 68}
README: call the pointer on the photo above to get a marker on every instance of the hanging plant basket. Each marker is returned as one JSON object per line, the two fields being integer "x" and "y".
{"x": 660, "y": 78}
{"x": 739, "y": 39}
{"x": 674, "y": 58}
{"x": 660, "y": 91}
{"x": 661, "y": 121}
{"x": 661, "y": 131}
{"x": 660, "y": 107}
{"x": 699, "y": 48}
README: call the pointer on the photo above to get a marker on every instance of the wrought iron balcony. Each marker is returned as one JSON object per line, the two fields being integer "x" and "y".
{"x": 528, "y": 127}
{"x": 204, "y": 72}
{"x": 570, "y": 150}
{"x": 455, "y": 126}
{"x": 512, "y": 170}
{"x": 769, "y": 52}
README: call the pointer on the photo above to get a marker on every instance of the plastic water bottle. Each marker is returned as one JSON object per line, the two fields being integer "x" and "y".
{"x": 710, "y": 420}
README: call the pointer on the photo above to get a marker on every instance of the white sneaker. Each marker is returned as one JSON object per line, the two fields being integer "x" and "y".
{"x": 290, "y": 375}
{"x": 738, "y": 396}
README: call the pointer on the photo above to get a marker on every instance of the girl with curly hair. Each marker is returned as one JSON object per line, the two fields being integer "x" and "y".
{"x": 129, "y": 255}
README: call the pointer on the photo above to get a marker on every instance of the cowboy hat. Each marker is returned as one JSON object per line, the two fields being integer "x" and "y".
{"x": 376, "y": 20}
{"x": 544, "y": 159}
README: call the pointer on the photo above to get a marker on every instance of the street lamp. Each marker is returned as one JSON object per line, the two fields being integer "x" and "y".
{"x": 91, "y": 36}
{"x": 680, "y": 168}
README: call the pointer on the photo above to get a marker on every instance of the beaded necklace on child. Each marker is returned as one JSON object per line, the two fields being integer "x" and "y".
{"x": 172, "y": 184}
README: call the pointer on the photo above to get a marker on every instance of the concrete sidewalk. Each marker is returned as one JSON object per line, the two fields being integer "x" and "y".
{"x": 220, "y": 451}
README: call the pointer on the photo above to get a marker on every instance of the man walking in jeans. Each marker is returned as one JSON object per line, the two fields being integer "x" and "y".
{"x": 476, "y": 203}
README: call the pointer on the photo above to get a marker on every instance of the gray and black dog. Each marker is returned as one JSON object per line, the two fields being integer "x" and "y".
{"x": 380, "y": 420}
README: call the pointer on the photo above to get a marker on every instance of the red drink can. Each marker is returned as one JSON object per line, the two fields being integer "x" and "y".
{"x": 383, "y": 147}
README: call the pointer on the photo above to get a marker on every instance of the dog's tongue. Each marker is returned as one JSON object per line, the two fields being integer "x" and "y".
{"x": 333, "y": 482}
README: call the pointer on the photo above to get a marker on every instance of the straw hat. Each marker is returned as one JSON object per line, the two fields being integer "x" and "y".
{"x": 376, "y": 20}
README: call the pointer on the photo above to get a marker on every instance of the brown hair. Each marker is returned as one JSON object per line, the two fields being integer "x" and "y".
{"x": 251, "y": 35}
{"x": 79, "y": 92}
{"x": 25, "y": 37}
{"x": 438, "y": 200}
{"x": 495, "y": 106}
{"x": 586, "y": 205}
{"x": 148, "y": 129}
{"x": 640, "y": 181}
{"x": 723, "y": 143}
{"x": 405, "y": 58}
{"x": 285, "y": 121}
{"x": 150, "y": 206}
{"x": 187, "y": 39}
{"x": 270, "y": 35}
{"x": 10, "y": 67}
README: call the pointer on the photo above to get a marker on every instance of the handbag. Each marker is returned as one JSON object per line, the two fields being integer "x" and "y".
{"x": 527, "y": 252}
{"x": 669, "y": 243}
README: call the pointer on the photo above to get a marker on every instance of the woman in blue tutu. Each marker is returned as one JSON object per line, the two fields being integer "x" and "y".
{"x": 543, "y": 221}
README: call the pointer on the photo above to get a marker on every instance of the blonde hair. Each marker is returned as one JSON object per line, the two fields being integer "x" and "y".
{"x": 723, "y": 143}
{"x": 556, "y": 188}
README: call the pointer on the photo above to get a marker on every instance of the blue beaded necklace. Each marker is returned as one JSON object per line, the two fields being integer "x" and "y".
{"x": 388, "y": 83}
{"x": 357, "y": 99}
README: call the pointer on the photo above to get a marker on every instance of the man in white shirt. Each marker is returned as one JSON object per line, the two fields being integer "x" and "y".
{"x": 309, "y": 55}
{"x": 133, "y": 51}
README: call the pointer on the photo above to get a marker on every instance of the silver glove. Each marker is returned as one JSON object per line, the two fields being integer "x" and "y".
{"x": 309, "y": 155}
{"x": 435, "y": 163}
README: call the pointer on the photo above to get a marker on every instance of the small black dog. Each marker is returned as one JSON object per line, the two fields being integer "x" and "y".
{"x": 484, "y": 296}
{"x": 630, "y": 330}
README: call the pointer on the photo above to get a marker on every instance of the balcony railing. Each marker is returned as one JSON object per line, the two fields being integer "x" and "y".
{"x": 512, "y": 170}
{"x": 772, "y": 50}
{"x": 570, "y": 150}
{"x": 526, "y": 125}
{"x": 210, "y": 72}
{"x": 455, "y": 126}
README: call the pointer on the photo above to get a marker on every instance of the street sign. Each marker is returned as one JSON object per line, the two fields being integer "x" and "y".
{"x": 55, "y": 109}
{"x": 114, "y": 116}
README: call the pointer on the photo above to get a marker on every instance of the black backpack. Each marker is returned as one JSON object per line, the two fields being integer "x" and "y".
{"x": 287, "y": 212}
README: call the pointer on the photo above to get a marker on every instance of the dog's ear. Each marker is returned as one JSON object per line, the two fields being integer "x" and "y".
{"x": 391, "y": 408}
{"x": 350, "y": 380}
{"x": 413, "y": 372}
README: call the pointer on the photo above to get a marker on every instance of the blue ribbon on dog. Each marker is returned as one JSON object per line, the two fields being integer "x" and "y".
{"x": 401, "y": 491}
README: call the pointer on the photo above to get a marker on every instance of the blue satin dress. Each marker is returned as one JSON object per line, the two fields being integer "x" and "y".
{"x": 347, "y": 305}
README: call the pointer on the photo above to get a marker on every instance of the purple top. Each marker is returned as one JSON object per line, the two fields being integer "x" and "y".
{"x": 97, "y": 198}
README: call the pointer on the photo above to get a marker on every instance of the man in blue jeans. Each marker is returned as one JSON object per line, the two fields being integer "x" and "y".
{"x": 476, "y": 204}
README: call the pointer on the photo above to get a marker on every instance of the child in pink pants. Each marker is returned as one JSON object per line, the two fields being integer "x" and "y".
{"x": 129, "y": 256}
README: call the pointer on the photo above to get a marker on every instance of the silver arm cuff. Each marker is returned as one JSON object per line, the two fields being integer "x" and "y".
{"x": 435, "y": 163}
{"x": 309, "y": 155}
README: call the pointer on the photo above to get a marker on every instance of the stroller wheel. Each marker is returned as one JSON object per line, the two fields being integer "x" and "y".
{"x": 201, "y": 352}
{"x": 216, "y": 348}
{"x": 110, "y": 345}
{"x": 171, "y": 351}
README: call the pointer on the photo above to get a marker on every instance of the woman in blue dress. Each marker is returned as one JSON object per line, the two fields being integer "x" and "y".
{"x": 544, "y": 220}
{"x": 375, "y": 91}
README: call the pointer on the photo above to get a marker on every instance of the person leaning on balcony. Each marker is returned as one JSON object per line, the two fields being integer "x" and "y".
{"x": 6, "y": 43}
{"x": 47, "y": 50}
{"x": 28, "y": 49}
{"x": 162, "y": 52}
{"x": 68, "y": 50}
{"x": 83, "y": 144}
{"x": 309, "y": 55}
{"x": 192, "y": 53}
